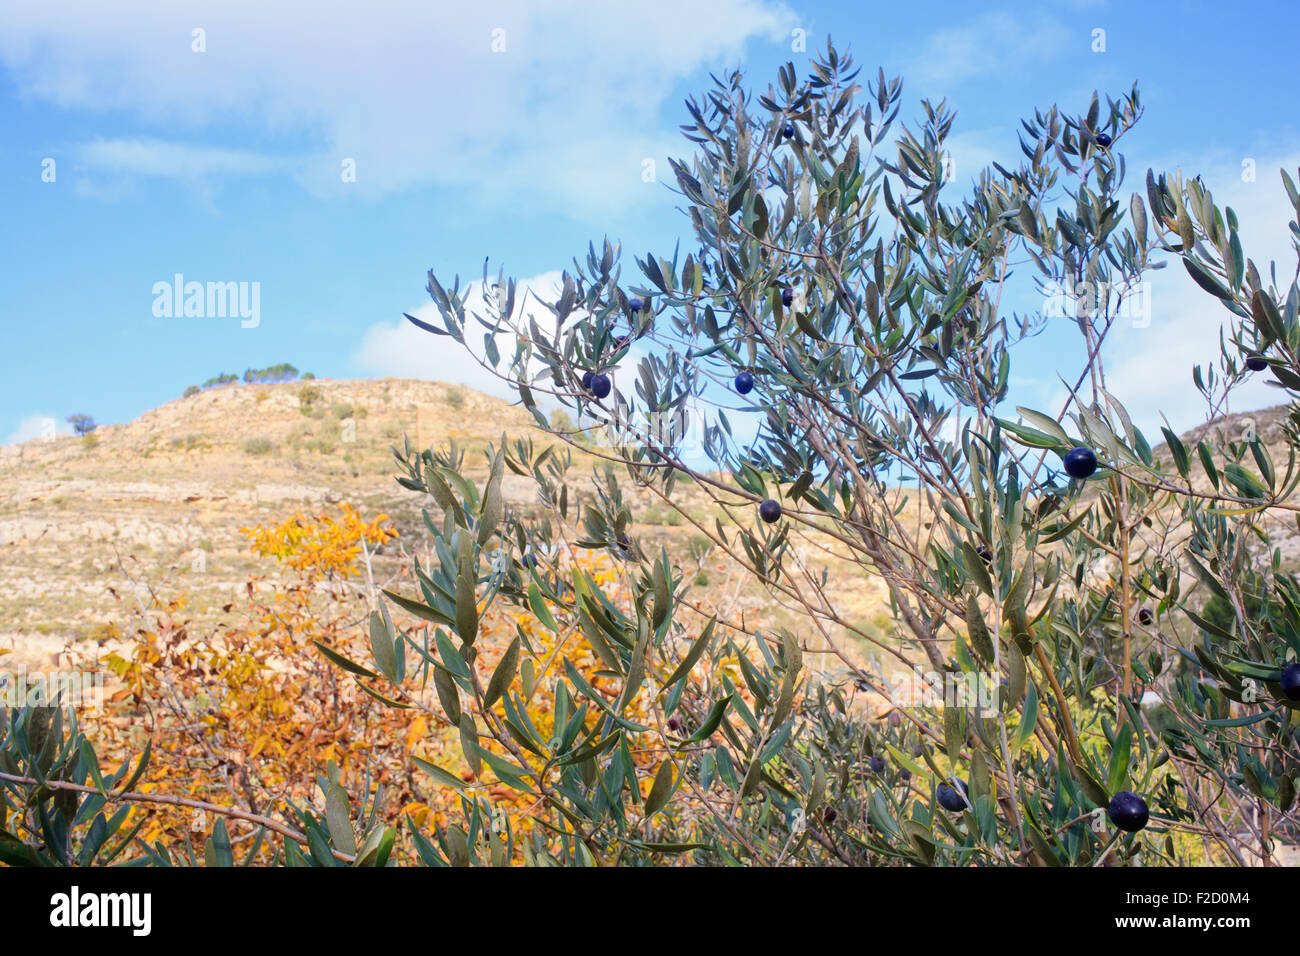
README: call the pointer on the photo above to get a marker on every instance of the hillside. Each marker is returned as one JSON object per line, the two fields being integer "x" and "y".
{"x": 168, "y": 492}
{"x": 160, "y": 501}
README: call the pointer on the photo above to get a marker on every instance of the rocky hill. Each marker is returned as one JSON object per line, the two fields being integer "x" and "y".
{"x": 163, "y": 498}
{"x": 160, "y": 501}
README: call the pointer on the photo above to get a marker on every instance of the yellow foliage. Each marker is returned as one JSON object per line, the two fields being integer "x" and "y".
{"x": 248, "y": 715}
{"x": 321, "y": 545}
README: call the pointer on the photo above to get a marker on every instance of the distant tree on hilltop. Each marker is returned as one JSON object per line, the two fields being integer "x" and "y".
{"x": 82, "y": 424}
{"x": 284, "y": 372}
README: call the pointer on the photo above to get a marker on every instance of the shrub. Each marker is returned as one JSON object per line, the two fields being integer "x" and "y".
{"x": 663, "y": 516}
{"x": 258, "y": 691}
{"x": 308, "y": 396}
{"x": 257, "y": 445}
{"x": 191, "y": 390}
{"x": 190, "y": 442}
{"x": 298, "y": 433}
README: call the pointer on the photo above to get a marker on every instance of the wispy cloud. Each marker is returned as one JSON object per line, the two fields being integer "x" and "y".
{"x": 991, "y": 42}
{"x": 398, "y": 348}
{"x": 1150, "y": 369}
{"x": 170, "y": 160}
{"x": 37, "y": 425}
{"x": 516, "y": 100}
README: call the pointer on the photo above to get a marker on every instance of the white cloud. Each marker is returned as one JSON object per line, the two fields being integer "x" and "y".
{"x": 973, "y": 151}
{"x": 412, "y": 91}
{"x": 1150, "y": 369}
{"x": 111, "y": 168}
{"x": 986, "y": 44}
{"x": 37, "y": 425}
{"x": 400, "y": 349}
{"x": 160, "y": 158}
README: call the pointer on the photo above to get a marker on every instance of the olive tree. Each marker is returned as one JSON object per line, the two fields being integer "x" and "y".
{"x": 60, "y": 808}
{"x": 827, "y": 366}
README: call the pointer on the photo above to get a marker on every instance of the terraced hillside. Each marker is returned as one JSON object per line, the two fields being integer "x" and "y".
{"x": 159, "y": 502}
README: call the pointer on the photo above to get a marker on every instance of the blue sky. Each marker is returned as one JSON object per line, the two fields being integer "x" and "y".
{"x": 227, "y": 164}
